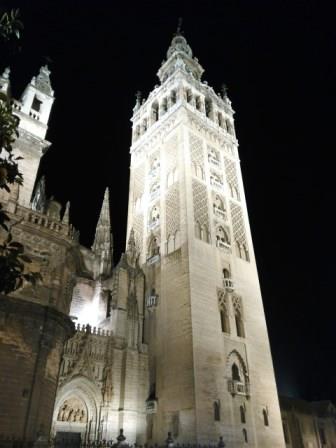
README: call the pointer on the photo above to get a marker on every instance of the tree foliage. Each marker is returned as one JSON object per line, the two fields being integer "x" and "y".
{"x": 12, "y": 258}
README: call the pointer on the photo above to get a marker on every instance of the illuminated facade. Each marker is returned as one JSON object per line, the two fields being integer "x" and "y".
{"x": 173, "y": 338}
{"x": 210, "y": 366}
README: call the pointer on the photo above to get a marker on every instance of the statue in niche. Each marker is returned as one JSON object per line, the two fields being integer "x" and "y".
{"x": 107, "y": 389}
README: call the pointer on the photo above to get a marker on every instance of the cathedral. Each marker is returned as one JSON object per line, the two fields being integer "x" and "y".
{"x": 172, "y": 339}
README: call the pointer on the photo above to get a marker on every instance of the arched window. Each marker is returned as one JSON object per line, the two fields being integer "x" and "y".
{"x": 205, "y": 233}
{"x": 245, "y": 435}
{"x": 235, "y": 372}
{"x": 198, "y": 230}
{"x": 170, "y": 244}
{"x": 154, "y": 248}
{"x": 155, "y": 189}
{"x": 144, "y": 125}
{"x": 216, "y": 410}
{"x": 155, "y": 111}
{"x": 155, "y": 214}
{"x": 239, "y": 324}
{"x": 198, "y": 171}
{"x": 238, "y": 249}
{"x": 137, "y": 131}
{"x": 164, "y": 105}
{"x": 198, "y": 103}
{"x": 189, "y": 95}
{"x": 222, "y": 238}
{"x": 208, "y": 107}
{"x": 225, "y": 323}
{"x": 265, "y": 416}
{"x": 245, "y": 252}
{"x": 228, "y": 126}
{"x": 218, "y": 203}
{"x": 242, "y": 414}
{"x": 220, "y": 119}
{"x": 173, "y": 96}
{"x": 226, "y": 273}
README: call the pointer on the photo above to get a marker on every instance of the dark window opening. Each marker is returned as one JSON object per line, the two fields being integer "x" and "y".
{"x": 36, "y": 105}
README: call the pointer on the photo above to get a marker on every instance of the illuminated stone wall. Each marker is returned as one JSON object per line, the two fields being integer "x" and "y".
{"x": 211, "y": 371}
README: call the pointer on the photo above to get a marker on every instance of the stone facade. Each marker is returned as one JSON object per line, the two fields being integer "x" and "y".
{"x": 210, "y": 366}
{"x": 34, "y": 322}
{"x": 305, "y": 424}
{"x": 171, "y": 339}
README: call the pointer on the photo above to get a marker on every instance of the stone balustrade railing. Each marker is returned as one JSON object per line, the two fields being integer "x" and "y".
{"x": 93, "y": 330}
{"x": 43, "y": 221}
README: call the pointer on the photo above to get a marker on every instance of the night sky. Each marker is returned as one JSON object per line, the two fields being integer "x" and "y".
{"x": 278, "y": 61}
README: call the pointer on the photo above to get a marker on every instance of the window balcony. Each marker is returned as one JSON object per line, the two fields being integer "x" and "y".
{"x": 220, "y": 213}
{"x": 152, "y": 225}
{"x": 213, "y": 161}
{"x": 154, "y": 172}
{"x": 228, "y": 284}
{"x": 151, "y": 406}
{"x": 154, "y": 194}
{"x": 215, "y": 183}
{"x": 152, "y": 301}
{"x": 153, "y": 259}
{"x": 222, "y": 245}
{"x": 238, "y": 388}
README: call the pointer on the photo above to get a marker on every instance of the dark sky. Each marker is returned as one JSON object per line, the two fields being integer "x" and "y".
{"x": 278, "y": 60}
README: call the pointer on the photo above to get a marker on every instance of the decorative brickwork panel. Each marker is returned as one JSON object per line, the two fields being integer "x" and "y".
{"x": 231, "y": 178}
{"x": 200, "y": 200}
{"x": 139, "y": 181}
{"x": 138, "y": 223}
{"x": 172, "y": 210}
{"x": 196, "y": 150}
{"x": 238, "y": 224}
{"x": 171, "y": 154}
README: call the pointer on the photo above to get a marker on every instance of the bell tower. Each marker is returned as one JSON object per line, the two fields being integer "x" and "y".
{"x": 33, "y": 110}
{"x": 211, "y": 371}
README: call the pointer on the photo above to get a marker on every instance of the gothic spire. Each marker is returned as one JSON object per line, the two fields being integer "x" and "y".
{"x": 103, "y": 242}
{"x": 66, "y": 216}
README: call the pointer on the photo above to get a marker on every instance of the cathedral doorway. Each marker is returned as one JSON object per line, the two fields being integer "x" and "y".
{"x": 67, "y": 439}
{"x": 76, "y": 413}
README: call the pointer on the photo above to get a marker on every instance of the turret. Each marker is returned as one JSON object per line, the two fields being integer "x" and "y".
{"x": 5, "y": 82}
{"x": 103, "y": 242}
{"x": 35, "y": 104}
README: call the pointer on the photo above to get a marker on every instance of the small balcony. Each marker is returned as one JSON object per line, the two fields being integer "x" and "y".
{"x": 154, "y": 194}
{"x": 153, "y": 224}
{"x": 215, "y": 183}
{"x": 152, "y": 301}
{"x": 220, "y": 213}
{"x": 213, "y": 161}
{"x": 153, "y": 259}
{"x": 151, "y": 406}
{"x": 228, "y": 284}
{"x": 222, "y": 245}
{"x": 238, "y": 388}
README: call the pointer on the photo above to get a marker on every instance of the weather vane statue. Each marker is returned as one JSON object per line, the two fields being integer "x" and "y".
{"x": 179, "y": 26}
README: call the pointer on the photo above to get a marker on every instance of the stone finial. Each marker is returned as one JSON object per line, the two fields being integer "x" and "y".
{"x": 221, "y": 443}
{"x": 169, "y": 440}
{"x": 224, "y": 90}
{"x": 66, "y": 216}
{"x": 42, "y": 81}
{"x": 6, "y": 73}
{"x": 121, "y": 438}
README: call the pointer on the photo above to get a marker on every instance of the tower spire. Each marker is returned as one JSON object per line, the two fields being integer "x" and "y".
{"x": 103, "y": 242}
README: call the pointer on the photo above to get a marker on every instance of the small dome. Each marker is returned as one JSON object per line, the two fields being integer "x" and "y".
{"x": 179, "y": 43}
